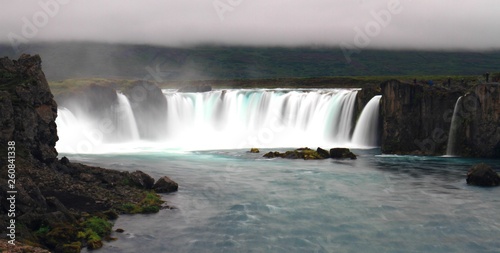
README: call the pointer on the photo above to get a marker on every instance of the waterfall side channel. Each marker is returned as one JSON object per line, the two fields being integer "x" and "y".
{"x": 455, "y": 124}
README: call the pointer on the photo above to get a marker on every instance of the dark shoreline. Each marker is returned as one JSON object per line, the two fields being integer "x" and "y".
{"x": 59, "y": 205}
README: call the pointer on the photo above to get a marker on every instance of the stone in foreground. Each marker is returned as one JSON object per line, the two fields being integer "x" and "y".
{"x": 341, "y": 153}
{"x": 142, "y": 179}
{"x": 165, "y": 185}
{"x": 254, "y": 150}
{"x": 482, "y": 175}
{"x": 301, "y": 153}
{"x": 323, "y": 153}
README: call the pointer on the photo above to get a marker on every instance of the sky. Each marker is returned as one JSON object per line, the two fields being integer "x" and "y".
{"x": 352, "y": 24}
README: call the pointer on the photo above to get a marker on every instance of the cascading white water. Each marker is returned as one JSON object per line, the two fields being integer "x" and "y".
{"x": 346, "y": 112}
{"x": 71, "y": 132}
{"x": 366, "y": 131}
{"x": 226, "y": 119}
{"x": 450, "y": 148}
{"x": 259, "y": 118}
{"x": 126, "y": 125}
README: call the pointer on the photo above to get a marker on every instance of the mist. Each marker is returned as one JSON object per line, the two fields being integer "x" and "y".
{"x": 391, "y": 24}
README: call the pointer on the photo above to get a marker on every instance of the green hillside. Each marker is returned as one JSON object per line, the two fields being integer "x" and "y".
{"x": 96, "y": 60}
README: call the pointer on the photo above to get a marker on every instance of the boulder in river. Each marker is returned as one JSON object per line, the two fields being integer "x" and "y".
{"x": 165, "y": 185}
{"x": 340, "y": 153}
{"x": 482, "y": 175}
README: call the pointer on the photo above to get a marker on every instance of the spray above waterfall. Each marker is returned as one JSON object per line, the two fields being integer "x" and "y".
{"x": 224, "y": 119}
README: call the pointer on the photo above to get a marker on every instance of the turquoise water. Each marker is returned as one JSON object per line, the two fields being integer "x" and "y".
{"x": 233, "y": 201}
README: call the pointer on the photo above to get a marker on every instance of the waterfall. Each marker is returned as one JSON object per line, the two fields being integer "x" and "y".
{"x": 346, "y": 112}
{"x": 71, "y": 131}
{"x": 229, "y": 119}
{"x": 126, "y": 124}
{"x": 366, "y": 131}
{"x": 455, "y": 122}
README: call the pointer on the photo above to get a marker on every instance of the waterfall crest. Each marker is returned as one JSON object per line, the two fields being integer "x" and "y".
{"x": 227, "y": 119}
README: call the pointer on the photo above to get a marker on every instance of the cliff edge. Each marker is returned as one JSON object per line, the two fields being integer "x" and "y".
{"x": 416, "y": 119}
{"x": 58, "y": 205}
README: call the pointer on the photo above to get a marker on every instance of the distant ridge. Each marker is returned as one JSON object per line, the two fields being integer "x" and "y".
{"x": 65, "y": 60}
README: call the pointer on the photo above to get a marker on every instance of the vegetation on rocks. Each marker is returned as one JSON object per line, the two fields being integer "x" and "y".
{"x": 151, "y": 203}
{"x": 61, "y": 206}
{"x": 309, "y": 154}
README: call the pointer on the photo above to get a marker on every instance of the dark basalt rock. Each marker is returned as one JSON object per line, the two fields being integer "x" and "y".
{"x": 149, "y": 105}
{"x": 416, "y": 119}
{"x": 301, "y": 153}
{"x": 195, "y": 88}
{"x": 273, "y": 154}
{"x": 53, "y": 194}
{"x": 482, "y": 175}
{"x": 165, "y": 185}
{"x": 323, "y": 153}
{"x": 97, "y": 100}
{"x": 27, "y": 108}
{"x": 341, "y": 153}
{"x": 142, "y": 179}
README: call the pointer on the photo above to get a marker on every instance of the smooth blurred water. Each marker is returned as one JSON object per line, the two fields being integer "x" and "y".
{"x": 233, "y": 201}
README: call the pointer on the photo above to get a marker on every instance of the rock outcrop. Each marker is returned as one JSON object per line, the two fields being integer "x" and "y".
{"x": 254, "y": 150}
{"x": 342, "y": 153}
{"x": 97, "y": 100}
{"x": 195, "y": 88}
{"x": 165, "y": 185}
{"x": 55, "y": 195}
{"x": 27, "y": 108}
{"x": 416, "y": 119}
{"x": 301, "y": 153}
{"x": 149, "y": 105}
{"x": 323, "y": 153}
{"x": 480, "y": 122}
{"x": 142, "y": 179}
{"x": 483, "y": 175}
{"x": 309, "y": 154}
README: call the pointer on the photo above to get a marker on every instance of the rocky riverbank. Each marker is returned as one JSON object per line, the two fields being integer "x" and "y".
{"x": 60, "y": 206}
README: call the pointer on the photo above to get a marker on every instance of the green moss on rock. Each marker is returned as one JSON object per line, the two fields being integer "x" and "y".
{"x": 151, "y": 203}
{"x": 74, "y": 247}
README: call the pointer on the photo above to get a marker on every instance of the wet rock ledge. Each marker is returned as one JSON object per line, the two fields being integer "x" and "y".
{"x": 60, "y": 206}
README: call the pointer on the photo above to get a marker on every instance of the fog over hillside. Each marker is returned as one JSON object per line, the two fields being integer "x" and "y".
{"x": 389, "y": 24}
{"x": 221, "y": 39}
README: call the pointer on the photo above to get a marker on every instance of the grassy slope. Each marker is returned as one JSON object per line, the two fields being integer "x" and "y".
{"x": 58, "y": 87}
{"x": 90, "y": 60}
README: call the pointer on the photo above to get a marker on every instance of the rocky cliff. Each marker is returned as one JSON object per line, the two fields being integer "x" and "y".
{"x": 27, "y": 108}
{"x": 56, "y": 201}
{"x": 479, "y": 122}
{"x": 416, "y": 119}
